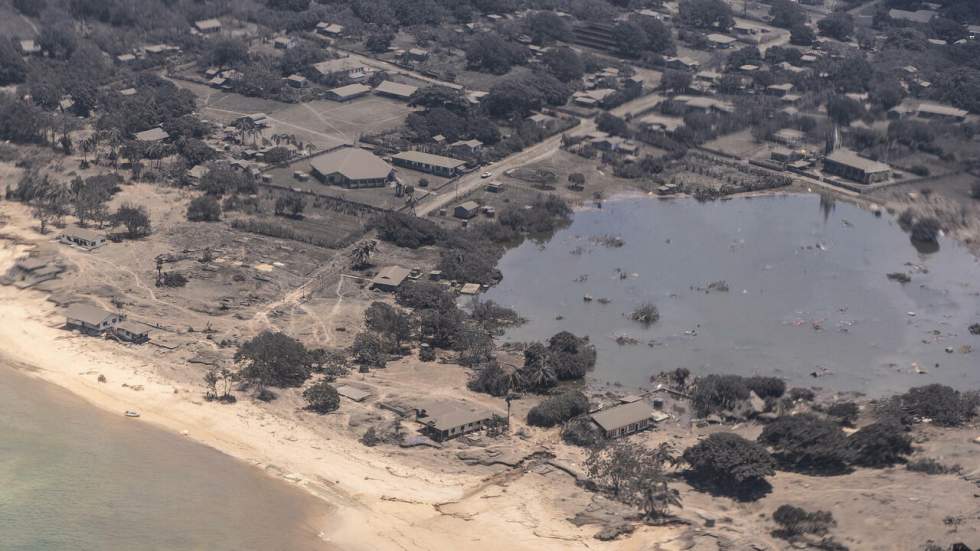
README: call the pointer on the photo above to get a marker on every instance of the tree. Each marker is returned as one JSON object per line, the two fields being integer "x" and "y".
{"x": 368, "y": 350}
{"x": 379, "y": 42}
{"x": 135, "y": 218}
{"x": 223, "y": 52}
{"x": 630, "y": 38}
{"x": 646, "y": 313}
{"x": 204, "y": 208}
{"x": 537, "y": 372}
{"x": 659, "y": 37}
{"x": 569, "y": 356}
{"x": 564, "y": 63}
{"x": 766, "y": 387}
{"x": 717, "y": 393}
{"x": 91, "y": 197}
{"x": 291, "y": 205}
{"x": 839, "y": 25}
{"x": 730, "y": 464}
{"x": 943, "y": 405}
{"x": 925, "y": 230}
{"x": 360, "y": 255}
{"x": 321, "y": 397}
{"x": 522, "y": 95}
{"x": 880, "y": 444}
{"x": 794, "y": 521}
{"x": 385, "y": 319}
{"x": 706, "y": 14}
{"x": 49, "y": 202}
{"x": 555, "y": 410}
{"x": 13, "y": 70}
{"x": 273, "y": 359}
{"x": 807, "y": 443}
{"x": 490, "y": 53}
{"x": 635, "y": 475}
{"x": 801, "y": 35}
{"x": 547, "y": 26}
{"x": 611, "y": 124}
{"x": 844, "y": 110}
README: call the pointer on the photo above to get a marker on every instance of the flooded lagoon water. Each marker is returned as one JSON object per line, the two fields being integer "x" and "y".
{"x": 75, "y": 478}
{"x": 808, "y": 293}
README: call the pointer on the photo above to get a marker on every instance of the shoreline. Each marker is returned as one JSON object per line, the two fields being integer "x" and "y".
{"x": 375, "y": 501}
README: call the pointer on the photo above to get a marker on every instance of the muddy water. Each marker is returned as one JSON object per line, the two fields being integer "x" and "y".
{"x": 76, "y": 478}
{"x": 807, "y": 293}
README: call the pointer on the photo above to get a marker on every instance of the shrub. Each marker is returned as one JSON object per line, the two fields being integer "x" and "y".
{"x": 716, "y": 393}
{"x": 932, "y": 467}
{"x": 975, "y": 329}
{"x": 881, "y": 444}
{"x": 807, "y": 443}
{"x": 558, "y": 409}
{"x": 801, "y": 394}
{"x": 494, "y": 380}
{"x": 581, "y": 431}
{"x": 731, "y": 465}
{"x": 919, "y": 170}
{"x": 925, "y": 230}
{"x": 944, "y": 405}
{"x": 406, "y": 230}
{"x": 844, "y": 412}
{"x": 571, "y": 357}
{"x": 794, "y": 521}
{"x": 766, "y": 387}
{"x": 204, "y": 209}
{"x": 646, "y": 313}
{"x": 322, "y": 398}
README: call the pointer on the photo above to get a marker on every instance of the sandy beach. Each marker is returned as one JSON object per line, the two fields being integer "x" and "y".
{"x": 378, "y": 502}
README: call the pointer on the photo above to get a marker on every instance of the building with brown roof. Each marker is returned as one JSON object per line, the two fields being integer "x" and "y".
{"x": 351, "y": 167}
{"x": 445, "y": 420}
{"x": 395, "y": 90}
{"x": 390, "y": 278}
{"x": 349, "y": 92}
{"x": 848, "y": 164}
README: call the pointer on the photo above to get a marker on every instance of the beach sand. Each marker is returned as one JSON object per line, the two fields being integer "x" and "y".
{"x": 378, "y": 502}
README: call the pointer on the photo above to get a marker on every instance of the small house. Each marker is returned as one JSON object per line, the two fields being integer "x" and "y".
{"x": 329, "y": 29}
{"x": 466, "y": 210}
{"x": 395, "y": 90}
{"x": 353, "y": 393}
{"x": 445, "y": 420}
{"x": 152, "y": 135}
{"x": 624, "y": 419}
{"x": 82, "y": 237}
{"x": 466, "y": 147}
{"x": 390, "y": 278}
{"x": 349, "y": 92}
{"x": 30, "y": 47}
{"x": 297, "y": 81}
{"x": 130, "y": 331}
{"x": 721, "y": 41}
{"x": 208, "y": 26}
{"x": 90, "y": 319}
{"x": 417, "y": 54}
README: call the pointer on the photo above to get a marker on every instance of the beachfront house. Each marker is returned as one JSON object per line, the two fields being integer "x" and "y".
{"x": 130, "y": 331}
{"x": 625, "y": 419}
{"x": 82, "y": 237}
{"x": 446, "y": 420}
{"x": 90, "y": 319}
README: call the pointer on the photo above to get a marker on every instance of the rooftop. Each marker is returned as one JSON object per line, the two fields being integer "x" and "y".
{"x": 623, "y": 415}
{"x": 339, "y": 65}
{"x": 87, "y": 313}
{"x": 83, "y": 233}
{"x": 395, "y": 89}
{"x": 392, "y": 276}
{"x": 849, "y": 158}
{"x": 429, "y": 159}
{"x": 207, "y": 24}
{"x": 445, "y": 416}
{"x": 351, "y": 90}
{"x": 151, "y": 135}
{"x": 352, "y": 393}
{"x": 352, "y": 163}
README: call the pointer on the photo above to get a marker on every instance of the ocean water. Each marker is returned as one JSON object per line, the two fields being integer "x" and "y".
{"x": 807, "y": 293}
{"x": 73, "y": 477}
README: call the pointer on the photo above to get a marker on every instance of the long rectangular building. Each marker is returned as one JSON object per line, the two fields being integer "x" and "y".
{"x": 427, "y": 162}
{"x": 848, "y": 164}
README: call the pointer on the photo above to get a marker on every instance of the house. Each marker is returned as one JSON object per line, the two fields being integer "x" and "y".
{"x": 427, "y": 162}
{"x": 84, "y": 238}
{"x": 417, "y": 54}
{"x": 208, "y": 26}
{"x": 682, "y": 62}
{"x": 466, "y": 147}
{"x": 127, "y": 92}
{"x": 125, "y": 58}
{"x": 349, "y": 92}
{"x": 445, "y": 420}
{"x": 592, "y": 98}
{"x": 917, "y": 16}
{"x": 283, "y": 43}
{"x": 466, "y": 210}
{"x": 260, "y": 120}
{"x": 848, "y": 164}
{"x": 159, "y": 49}
{"x": 928, "y": 110}
{"x": 390, "y": 278}
{"x": 343, "y": 68}
{"x": 353, "y": 393}
{"x": 297, "y": 81}
{"x": 329, "y": 29}
{"x": 784, "y": 155}
{"x": 789, "y": 137}
{"x": 541, "y": 120}
{"x": 721, "y": 41}
{"x": 705, "y": 104}
{"x": 709, "y": 76}
{"x": 661, "y": 123}
{"x": 89, "y": 318}
{"x": 624, "y": 419}
{"x": 130, "y": 331}
{"x": 475, "y": 96}
{"x": 779, "y": 90}
{"x": 395, "y": 90}
{"x": 152, "y": 135}
{"x": 29, "y": 47}
{"x": 352, "y": 168}
{"x": 614, "y": 143}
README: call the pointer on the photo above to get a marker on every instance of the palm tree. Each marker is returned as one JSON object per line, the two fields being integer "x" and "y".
{"x": 361, "y": 254}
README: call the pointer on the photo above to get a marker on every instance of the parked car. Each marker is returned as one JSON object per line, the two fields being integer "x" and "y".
{"x": 486, "y": 175}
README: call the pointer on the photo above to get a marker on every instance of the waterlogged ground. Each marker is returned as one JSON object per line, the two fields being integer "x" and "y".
{"x": 76, "y": 478}
{"x": 807, "y": 293}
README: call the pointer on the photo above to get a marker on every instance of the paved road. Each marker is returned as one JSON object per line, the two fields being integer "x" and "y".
{"x": 471, "y": 182}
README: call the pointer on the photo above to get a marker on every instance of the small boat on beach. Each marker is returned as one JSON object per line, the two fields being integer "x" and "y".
{"x": 132, "y": 413}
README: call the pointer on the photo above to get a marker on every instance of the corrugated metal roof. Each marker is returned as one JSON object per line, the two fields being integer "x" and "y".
{"x": 87, "y": 313}
{"x": 617, "y": 417}
{"x": 352, "y": 163}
